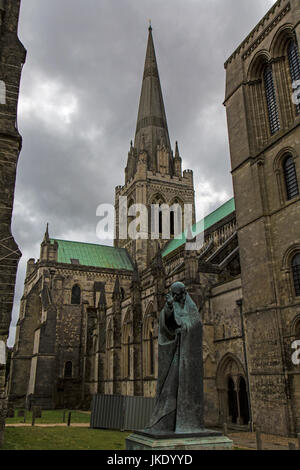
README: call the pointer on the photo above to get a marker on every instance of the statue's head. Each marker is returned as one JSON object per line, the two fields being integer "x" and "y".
{"x": 178, "y": 292}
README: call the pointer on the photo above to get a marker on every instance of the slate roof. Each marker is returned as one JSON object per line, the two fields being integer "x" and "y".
{"x": 204, "y": 224}
{"x": 89, "y": 254}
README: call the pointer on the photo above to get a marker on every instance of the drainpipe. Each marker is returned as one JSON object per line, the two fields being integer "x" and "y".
{"x": 240, "y": 306}
{"x": 142, "y": 358}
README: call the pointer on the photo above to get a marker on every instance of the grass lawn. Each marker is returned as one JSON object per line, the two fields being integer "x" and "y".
{"x": 62, "y": 438}
{"x": 51, "y": 417}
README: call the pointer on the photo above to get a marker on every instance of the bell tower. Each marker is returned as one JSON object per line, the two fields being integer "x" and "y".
{"x": 153, "y": 175}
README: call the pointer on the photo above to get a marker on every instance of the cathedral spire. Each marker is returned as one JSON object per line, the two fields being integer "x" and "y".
{"x": 151, "y": 122}
{"x": 46, "y": 236}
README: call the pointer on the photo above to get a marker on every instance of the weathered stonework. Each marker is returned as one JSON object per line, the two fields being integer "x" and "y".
{"x": 240, "y": 278}
{"x": 12, "y": 58}
{"x": 268, "y": 222}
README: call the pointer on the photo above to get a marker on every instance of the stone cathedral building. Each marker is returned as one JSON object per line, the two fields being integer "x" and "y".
{"x": 12, "y": 58}
{"x": 89, "y": 314}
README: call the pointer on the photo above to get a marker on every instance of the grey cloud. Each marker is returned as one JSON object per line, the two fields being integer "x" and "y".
{"x": 94, "y": 50}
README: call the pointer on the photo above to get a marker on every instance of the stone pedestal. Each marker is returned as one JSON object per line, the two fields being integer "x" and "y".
{"x": 204, "y": 440}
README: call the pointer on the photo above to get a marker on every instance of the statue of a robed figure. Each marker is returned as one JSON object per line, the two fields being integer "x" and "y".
{"x": 178, "y": 416}
{"x": 179, "y": 393}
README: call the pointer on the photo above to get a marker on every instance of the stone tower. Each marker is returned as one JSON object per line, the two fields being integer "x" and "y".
{"x": 153, "y": 175}
{"x": 264, "y": 133}
{"x": 12, "y": 58}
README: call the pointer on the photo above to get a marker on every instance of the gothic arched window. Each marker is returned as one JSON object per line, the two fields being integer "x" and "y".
{"x": 68, "y": 369}
{"x": 172, "y": 223}
{"x": 297, "y": 331}
{"x": 296, "y": 273}
{"x": 271, "y": 100}
{"x": 294, "y": 64}
{"x": 76, "y": 295}
{"x": 175, "y": 218}
{"x": 157, "y": 218}
{"x": 290, "y": 176}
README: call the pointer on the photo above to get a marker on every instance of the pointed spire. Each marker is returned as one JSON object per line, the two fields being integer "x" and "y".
{"x": 135, "y": 274}
{"x": 157, "y": 264}
{"x": 102, "y": 299}
{"x": 117, "y": 290}
{"x": 176, "y": 150}
{"x": 152, "y": 121}
{"x": 46, "y": 236}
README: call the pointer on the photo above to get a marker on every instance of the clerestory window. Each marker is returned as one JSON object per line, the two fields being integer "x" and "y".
{"x": 294, "y": 65}
{"x": 273, "y": 114}
{"x": 290, "y": 177}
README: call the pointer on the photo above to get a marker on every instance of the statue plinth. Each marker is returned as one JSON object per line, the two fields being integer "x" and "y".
{"x": 203, "y": 440}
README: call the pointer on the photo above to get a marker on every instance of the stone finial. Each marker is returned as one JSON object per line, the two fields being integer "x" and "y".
{"x": 46, "y": 236}
{"x": 117, "y": 289}
{"x": 176, "y": 150}
{"x": 102, "y": 299}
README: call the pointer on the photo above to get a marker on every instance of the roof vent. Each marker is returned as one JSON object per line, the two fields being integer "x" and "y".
{"x": 74, "y": 261}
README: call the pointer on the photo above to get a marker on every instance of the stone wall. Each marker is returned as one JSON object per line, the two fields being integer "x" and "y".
{"x": 12, "y": 58}
{"x": 268, "y": 222}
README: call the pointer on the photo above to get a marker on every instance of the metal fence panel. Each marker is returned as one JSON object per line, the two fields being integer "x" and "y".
{"x": 138, "y": 411}
{"x": 121, "y": 412}
{"x": 107, "y": 412}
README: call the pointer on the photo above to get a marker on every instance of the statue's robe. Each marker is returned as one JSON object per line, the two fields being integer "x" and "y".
{"x": 179, "y": 392}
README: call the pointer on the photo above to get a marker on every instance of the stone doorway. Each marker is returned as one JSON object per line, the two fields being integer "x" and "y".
{"x": 243, "y": 401}
{"x": 232, "y": 401}
{"x": 233, "y": 392}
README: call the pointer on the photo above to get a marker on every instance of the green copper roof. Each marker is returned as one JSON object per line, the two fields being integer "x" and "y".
{"x": 202, "y": 225}
{"x": 89, "y": 254}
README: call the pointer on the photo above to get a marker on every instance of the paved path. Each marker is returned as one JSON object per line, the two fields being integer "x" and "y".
{"x": 247, "y": 440}
{"x": 50, "y": 425}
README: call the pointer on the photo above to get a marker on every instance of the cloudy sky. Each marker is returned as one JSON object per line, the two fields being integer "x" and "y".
{"x": 79, "y": 100}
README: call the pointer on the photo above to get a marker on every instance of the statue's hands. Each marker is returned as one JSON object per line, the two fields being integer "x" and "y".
{"x": 182, "y": 329}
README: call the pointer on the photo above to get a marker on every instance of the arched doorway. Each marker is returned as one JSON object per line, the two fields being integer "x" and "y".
{"x": 232, "y": 401}
{"x": 243, "y": 401}
{"x": 232, "y": 391}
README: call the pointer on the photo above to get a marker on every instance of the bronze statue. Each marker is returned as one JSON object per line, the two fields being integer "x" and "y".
{"x": 179, "y": 393}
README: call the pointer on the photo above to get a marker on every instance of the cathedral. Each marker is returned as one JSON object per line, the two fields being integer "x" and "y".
{"x": 88, "y": 320}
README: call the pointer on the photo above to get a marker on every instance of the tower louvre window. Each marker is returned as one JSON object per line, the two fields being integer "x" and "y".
{"x": 290, "y": 176}
{"x": 296, "y": 273}
{"x": 294, "y": 63}
{"x": 271, "y": 100}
